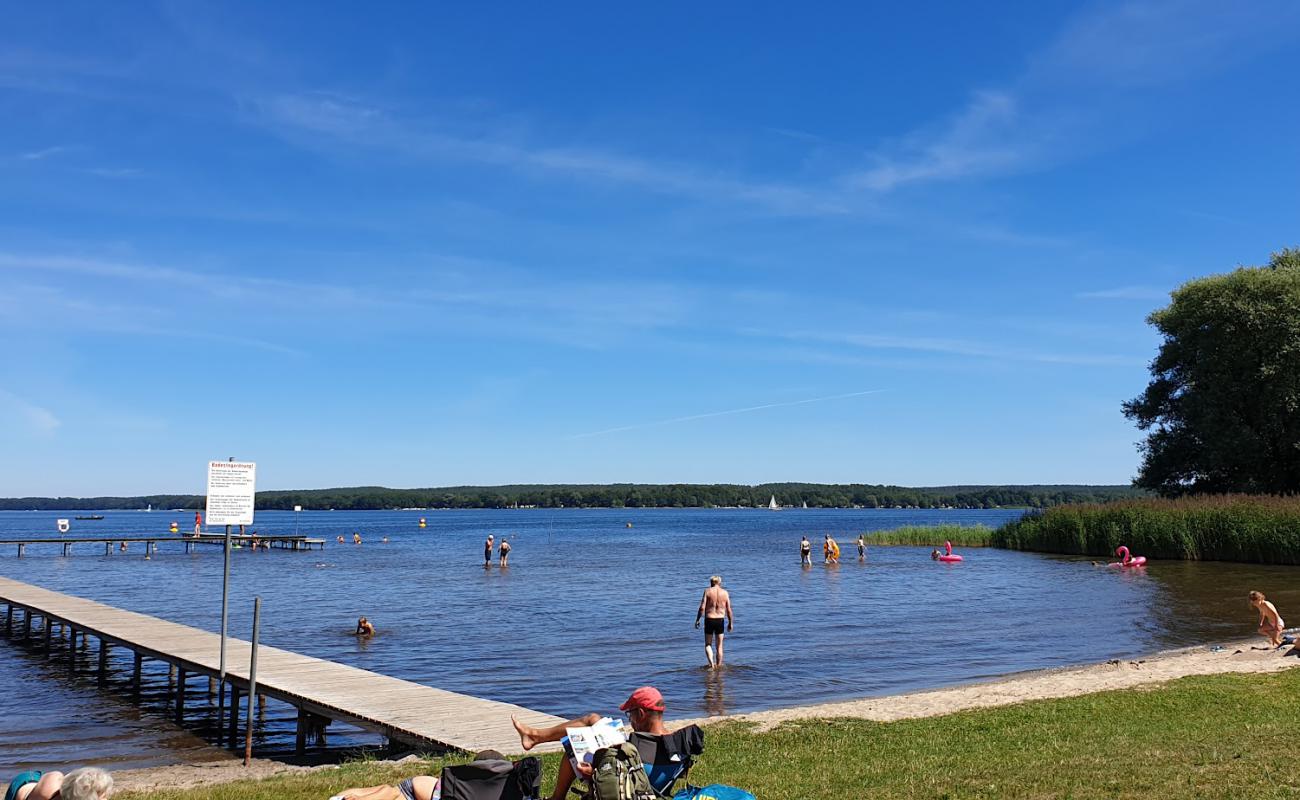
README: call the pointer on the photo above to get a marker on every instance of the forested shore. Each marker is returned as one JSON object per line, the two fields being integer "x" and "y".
{"x": 621, "y": 495}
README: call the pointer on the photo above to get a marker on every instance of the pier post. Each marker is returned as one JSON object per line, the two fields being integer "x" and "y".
{"x": 72, "y": 651}
{"x": 135, "y": 674}
{"x": 171, "y": 678}
{"x": 300, "y": 736}
{"x": 9, "y": 620}
{"x": 22, "y": 548}
{"x": 49, "y": 630}
{"x": 180, "y": 695}
{"x": 108, "y": 548}
{"x": 27, "y": 623}
{"x": 234, "y": 713}
{"x": 103, "y": 661}
{"x": 212, "y": 686}
{"x": 67, "y": 547}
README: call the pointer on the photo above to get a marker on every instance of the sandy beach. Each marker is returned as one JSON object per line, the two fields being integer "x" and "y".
{"x": 1240, "y": 656}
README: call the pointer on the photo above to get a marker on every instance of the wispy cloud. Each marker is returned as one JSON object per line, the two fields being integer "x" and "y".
{"x": 1057, "y": 108}
{"x": 344, "y": 120}
{"x": 38, "y": 155}
{"x": 1126, "y": 293}
{"x": 960, "y": 347}
{"x": 34, "y": 418}
{"x": 727, "y": 413}
{"x": 114, "y": 172}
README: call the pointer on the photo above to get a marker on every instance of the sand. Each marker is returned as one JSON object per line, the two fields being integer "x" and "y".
{"x": 1244, "y": 656}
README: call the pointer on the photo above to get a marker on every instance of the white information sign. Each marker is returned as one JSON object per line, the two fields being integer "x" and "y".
{"x": 63, "y": 526}
{"x": 231, "y": 492}
{"x": 297, "y": 508}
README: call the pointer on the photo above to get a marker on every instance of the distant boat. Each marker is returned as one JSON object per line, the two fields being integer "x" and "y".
{"x": 805, "y": 504}
{"x": 91, "y": 516}
{"x": 772, "y": 506}
{"x": 150, "y": 508}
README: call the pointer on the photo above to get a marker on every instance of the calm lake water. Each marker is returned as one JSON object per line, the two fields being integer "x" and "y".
{"x": 590, "y": 608}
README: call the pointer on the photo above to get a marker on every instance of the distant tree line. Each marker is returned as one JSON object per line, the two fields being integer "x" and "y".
{"x": 619, "y": 495}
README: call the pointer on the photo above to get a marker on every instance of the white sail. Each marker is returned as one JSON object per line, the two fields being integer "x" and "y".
{"x": 772, "y": 506}
{"x": 805, "y": 504}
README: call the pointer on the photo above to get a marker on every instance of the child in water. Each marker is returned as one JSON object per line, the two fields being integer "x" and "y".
{"x": 1270, "y": 622}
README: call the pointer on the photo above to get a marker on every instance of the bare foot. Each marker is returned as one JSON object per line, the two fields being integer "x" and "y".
{"x": 527, "y": 738}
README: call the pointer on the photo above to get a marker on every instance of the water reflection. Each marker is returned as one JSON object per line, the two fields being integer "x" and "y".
{"x": 715, "y": 692}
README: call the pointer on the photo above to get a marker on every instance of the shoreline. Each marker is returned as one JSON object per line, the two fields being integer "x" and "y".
{"x": 1238, "y": 656}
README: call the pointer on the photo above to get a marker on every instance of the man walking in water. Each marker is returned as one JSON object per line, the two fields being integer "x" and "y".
{"x": 805, "y": 551}
{"x": 487, "y": 552}
{"x": 714, "y": 607}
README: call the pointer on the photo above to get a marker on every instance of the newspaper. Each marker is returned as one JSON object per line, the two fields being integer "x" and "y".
{"x": 581, "y": 744}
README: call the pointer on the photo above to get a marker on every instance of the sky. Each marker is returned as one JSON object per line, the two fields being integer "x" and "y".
{"x": 439, "y": 244}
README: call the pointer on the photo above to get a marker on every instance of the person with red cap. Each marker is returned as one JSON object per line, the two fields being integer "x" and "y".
{"x": 645, "y": 711}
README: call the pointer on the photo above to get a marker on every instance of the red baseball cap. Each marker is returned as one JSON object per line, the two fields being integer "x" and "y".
{"x": 647, "y": 698}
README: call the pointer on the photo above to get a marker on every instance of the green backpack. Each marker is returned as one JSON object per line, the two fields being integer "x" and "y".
{"x": 618, "y": 774}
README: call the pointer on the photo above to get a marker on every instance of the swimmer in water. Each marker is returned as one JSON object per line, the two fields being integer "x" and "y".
{"x": 934, "y": 554}
{"x": 384, "y": 540}
{"x": 364, "y": 628}
{"x": 340, "y": 538}
{"x": 805, "y": 551}
{"x": 487, "y": 552}
{"x": 505, "y": 551}
{"x": 356, "y": 538}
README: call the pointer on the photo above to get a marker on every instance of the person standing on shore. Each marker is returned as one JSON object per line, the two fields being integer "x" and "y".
{"x": 505, "y": 551}
{"x": 1270, "y": 622}
{"x": 487, "y": 552}
{"x": 805, "y": 551}
{"x": 715, "y": 606}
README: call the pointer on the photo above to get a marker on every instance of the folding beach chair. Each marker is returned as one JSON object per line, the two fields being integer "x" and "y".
{"x": 493, "y": 779}
{"x": 669, "y": 758}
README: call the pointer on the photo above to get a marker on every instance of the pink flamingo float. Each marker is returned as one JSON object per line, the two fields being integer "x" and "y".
{"x": 1127, "y": 560}
{"x": 949, "y": 557}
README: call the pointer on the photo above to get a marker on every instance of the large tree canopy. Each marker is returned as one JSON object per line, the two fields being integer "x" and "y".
{"x": 1223, "y": 405}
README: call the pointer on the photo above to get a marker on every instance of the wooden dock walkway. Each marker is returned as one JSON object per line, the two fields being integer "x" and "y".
{"x": 403, "y": 711}
{"x": 274, "y": 541}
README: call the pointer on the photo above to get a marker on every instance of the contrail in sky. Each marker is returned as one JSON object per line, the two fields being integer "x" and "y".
{"x": 726, "y": 413}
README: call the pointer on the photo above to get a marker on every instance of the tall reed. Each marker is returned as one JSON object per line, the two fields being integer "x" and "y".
{"x": 931, "y": 536}
{"x": 1250, "y": 528}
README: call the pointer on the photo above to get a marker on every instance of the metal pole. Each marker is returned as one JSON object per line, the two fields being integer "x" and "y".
{"x": 225, "y": 593}
{"x": 252, "y": 681}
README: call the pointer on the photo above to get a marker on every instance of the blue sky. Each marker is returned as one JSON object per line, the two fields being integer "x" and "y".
{"x": 431, "y": 245}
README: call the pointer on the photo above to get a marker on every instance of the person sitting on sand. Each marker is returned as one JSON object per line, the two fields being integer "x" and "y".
{"x": 1270, "y": 622}
{"x": 364, "y": 628}
{"x": 87, "y": 783}
{"x": 645, "y": 712}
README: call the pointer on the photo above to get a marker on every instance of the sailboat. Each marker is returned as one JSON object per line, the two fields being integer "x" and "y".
{"x": 805, "y": 505}
{"x": 772, "y": 506}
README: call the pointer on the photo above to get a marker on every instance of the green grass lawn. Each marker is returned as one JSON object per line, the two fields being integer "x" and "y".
{"x": 1230, "y": 736}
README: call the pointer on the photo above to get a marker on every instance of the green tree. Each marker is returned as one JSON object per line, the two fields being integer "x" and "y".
{"x": 1223, "y": 405}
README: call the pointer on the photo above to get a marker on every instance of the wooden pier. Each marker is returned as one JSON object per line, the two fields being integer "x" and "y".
{"x": 321, "y": 691}
{"x": 278, "y": 542}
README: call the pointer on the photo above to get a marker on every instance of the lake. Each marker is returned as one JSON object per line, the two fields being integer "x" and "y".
{"x": 591, "y": 608}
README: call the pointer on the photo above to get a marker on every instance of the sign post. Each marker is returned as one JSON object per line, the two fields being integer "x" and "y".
{"x": 296, "y": 511}
{"x": 63, "y": 526}
{"x": 231, "y": 497}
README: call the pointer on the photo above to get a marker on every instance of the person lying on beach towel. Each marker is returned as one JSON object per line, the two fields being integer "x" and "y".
{"x": 87, "y": 783}
{"x": 490, "y": 776}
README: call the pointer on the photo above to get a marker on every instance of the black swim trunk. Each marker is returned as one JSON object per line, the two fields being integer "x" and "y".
{"x": 407, "y": 788}
{"x": 713, "y": 625}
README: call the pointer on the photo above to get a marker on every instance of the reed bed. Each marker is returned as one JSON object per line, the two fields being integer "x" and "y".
{"x": 931, "y": 536}
{"x": 1249, "y": 528}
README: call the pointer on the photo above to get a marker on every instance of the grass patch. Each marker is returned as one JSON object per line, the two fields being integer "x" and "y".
{"x": 933, "y": 536}
{"x": 1223, "y": 736}
{"x": 1249, "y": 528}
